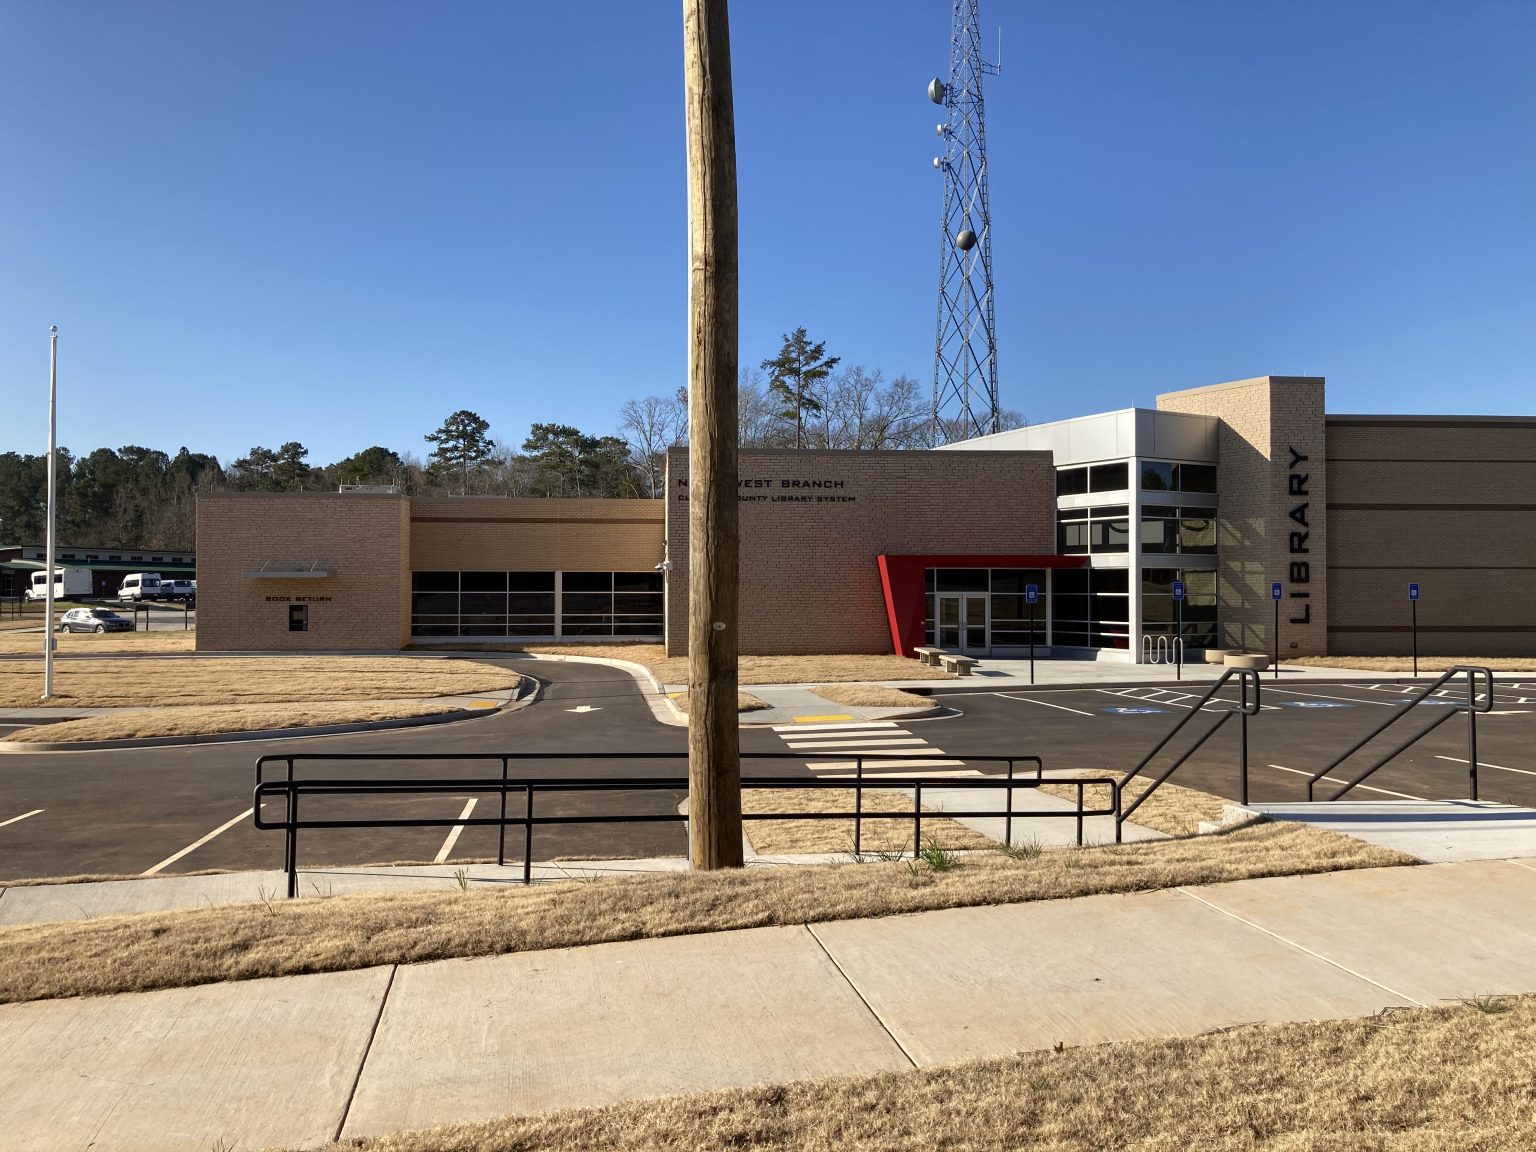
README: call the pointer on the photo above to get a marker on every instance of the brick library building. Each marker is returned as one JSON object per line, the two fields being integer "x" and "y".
{"x": 1099, "y": 537}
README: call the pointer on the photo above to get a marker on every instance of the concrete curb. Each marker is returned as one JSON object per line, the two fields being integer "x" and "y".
{"x": 524, "y": 697}
{"x": 651, "y": 689}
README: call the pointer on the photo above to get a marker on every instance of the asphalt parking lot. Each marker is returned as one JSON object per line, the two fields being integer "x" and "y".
{"x": 1301, "y": 727}
{"x": 185, "y": 809}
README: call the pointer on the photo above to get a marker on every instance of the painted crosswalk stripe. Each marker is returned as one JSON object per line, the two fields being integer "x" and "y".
{"x": 895, "y": 742}
{"x": 23, "y": 816}
{"x": 839, "y": 727}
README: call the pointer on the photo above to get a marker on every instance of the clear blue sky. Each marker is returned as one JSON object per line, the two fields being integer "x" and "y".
{"x": 337, "y": 222}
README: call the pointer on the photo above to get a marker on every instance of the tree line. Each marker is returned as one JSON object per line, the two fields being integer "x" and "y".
{"x": 799, "y": 398}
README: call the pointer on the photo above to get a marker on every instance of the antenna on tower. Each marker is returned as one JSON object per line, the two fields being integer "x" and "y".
{"x": 965, "y": 348}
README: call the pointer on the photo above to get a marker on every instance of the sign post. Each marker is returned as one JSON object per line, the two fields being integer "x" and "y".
{"x": 1032, "y": 597}
{"x": 1275, "y": 589}
{"x": 1178, "y": 629}
{"x": 1413, "y": 600}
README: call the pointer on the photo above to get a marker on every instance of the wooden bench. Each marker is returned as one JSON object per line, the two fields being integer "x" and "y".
{"x": 929, "y": 656}
{"x": 959, "y": 665}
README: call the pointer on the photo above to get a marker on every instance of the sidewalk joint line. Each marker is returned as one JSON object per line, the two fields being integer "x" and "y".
{"x": 900, "y": 1047}
{"x": 346, "y": 1108}
{"x": 1302, "y": 948}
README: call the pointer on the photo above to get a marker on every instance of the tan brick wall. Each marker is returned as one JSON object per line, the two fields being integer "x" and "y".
{"x": 1262, "y": 419}
{"x": 809, "y": 579}
{"x": 359, "y": 538}
{"x": 496, "y": 534}
{"x": 1448, "y": 503}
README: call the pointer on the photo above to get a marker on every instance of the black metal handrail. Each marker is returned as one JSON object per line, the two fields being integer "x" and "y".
{"x": 1245, "y": 708}
{"x": 1470, "y": 706}
{"x": 289, "y": 788}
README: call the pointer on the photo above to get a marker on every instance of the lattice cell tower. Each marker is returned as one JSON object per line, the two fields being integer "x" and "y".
{"x": 965, "y": 352}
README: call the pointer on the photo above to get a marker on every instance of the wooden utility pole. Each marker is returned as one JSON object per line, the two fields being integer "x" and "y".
{"x": 714, "y": 740}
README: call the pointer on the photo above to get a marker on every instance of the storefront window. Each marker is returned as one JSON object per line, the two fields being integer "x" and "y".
{"x": 1109, "y": 477}
{"x": 524, "y": 604}
{"x": 1071, "y": 481}
{"x": 1196, "y": 616}
{"x": 1090, "y": 608}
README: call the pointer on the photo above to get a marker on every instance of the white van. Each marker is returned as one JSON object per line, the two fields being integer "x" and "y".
{"x": 140, "y": 586}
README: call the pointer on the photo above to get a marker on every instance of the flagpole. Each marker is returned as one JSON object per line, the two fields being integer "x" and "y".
{"x": 53, "y": 470}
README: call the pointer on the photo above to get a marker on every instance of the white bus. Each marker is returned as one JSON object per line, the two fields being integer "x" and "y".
{"x": 67, "y": 583}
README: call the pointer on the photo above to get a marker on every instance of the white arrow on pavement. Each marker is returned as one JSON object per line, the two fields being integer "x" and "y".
{"x": 585, "y": 708}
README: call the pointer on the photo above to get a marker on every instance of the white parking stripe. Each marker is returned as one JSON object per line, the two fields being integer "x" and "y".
{"x": 1043, "y": 704}
{"x": 1485, "y": 764}
{"x": 454, "y": 833}
{"x": 1362, "y": 787}
{"x": 838, "y": 727}
{"x": 23, "y": 816}
{"x": 196, "y": 844}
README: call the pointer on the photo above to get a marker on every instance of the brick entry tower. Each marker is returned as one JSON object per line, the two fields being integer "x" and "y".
{"x": 1272, "y": 496}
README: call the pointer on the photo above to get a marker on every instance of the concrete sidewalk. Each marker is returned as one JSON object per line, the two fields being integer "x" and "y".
{"x": 300, "y": 1060}
{"x": 799, "y": 703}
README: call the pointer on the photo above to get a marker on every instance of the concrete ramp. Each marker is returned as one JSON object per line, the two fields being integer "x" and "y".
{"x": 1436, "y": 831}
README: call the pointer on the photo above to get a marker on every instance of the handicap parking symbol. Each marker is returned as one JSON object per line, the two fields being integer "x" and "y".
{"x": 1137, "y": 711}
{"x": 1315, "y": 704}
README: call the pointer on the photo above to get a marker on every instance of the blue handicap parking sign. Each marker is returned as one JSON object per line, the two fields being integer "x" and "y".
{"x": 1178, "y": 589}
{"x": 1274, "y": 590}
{"x": 1137, "y": 711}
{"x": 1413, "y": 591}
{"x": 1031, "y": 593}
{"x": 1315, "y": 704}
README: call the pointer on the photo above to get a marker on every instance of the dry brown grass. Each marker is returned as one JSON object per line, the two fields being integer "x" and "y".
{"x": 1416, "y": 1080}
{"x": 118, "y": 643}
{"x": 745, "y": 702}
{"x": 1426, "y": 663}
{"x": 296, "y": 679}
{"x": 201, "y": 721}
{"x": 1172, "y": 809}
{"x": 780, "y": 837}
{"x": 872, "y": 696}
{"x": 278, "y": 938}
{"x": 756, "y": 669}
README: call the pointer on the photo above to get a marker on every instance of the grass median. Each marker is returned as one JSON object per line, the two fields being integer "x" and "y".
{"x": 1414, "y": 1080}
{"x": 154, "y": 723}
{"x": 161, "y": 642}
{"x": 258, "y": 680}
{"x": 872, "y": 696}
{"x": 326, "y": 934}
{"x": 1427, "y": 664}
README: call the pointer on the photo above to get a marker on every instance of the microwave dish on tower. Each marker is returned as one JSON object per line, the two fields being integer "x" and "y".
{"x": 965, "y": 348}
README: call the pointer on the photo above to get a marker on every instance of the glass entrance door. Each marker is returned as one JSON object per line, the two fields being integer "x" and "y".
{"x": 962, "y": 623}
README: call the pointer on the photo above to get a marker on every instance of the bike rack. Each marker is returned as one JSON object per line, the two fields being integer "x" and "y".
{"x": 1165, "y": 650}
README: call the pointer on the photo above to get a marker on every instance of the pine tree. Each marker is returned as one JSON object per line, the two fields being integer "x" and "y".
{"x": 793, "y": 375}
{"x": 462, "y": 444}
